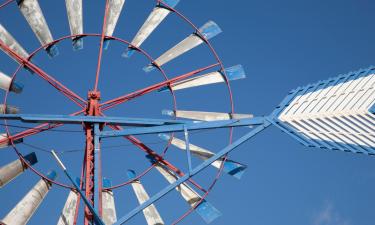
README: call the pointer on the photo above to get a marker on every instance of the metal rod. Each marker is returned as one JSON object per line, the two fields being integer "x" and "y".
{"x": 196, "y": 170}
{"x": 97, "y": 219}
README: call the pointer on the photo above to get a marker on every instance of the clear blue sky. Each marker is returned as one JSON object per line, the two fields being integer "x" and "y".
{"x": 281, "y": 44}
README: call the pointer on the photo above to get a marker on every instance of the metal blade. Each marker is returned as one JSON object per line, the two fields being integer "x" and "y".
{"x": 114, "y": 11}
{"x": 68, "y": 213}
{"x": 108, "y": 204}
{"x": 7, "y": 85}
{"x": 24, "y": 210}
{"x": 233, "y": 73}
{"x": 158, "y": 14}
{"x": 208, "y": 30}
{"x": 12, "y": 170}
{"x": 151, "y": 213}
{"x": 8, "y": 109}
{"x": 205, "y": 116}
{"x": 207, "y": 211}
{"x": 230, "y": 167}
{"x": 75, "y": 17}
{"x": 9, "y": 41}
{"x": 34, "y": 16}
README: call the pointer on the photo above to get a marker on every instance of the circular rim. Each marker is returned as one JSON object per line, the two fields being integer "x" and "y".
{"x": 207, "y": 42}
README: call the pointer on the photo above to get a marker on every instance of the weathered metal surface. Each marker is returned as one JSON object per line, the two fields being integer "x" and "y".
{"x": 34, "y": 16}
{"x": 233, "y": 73}
{"x": 68, "y": 213}
{"x": 151, "y": 213}
{"x": 108, "y": 208}
{"x": 9, "y": 41}
{"x": 4, "y": 143}
{"x": 23, "y": 211}
{"x": 205, "y": 116}
{"x": 75, "y": 17}
{"x": 15, "y": 168}
{"x": 231, "y": 167}
{"x": 332, "y": 114}
{"x": 114, "y": 11}
{"x": 208, "y": 30}
{"x": 203, "y": 208}
{"x": 157, "y": 15}
{"x": 7, "y": 85}
{"x": 8, "y": 109}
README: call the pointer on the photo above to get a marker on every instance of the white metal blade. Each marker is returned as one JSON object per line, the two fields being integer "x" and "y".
{"x": 34, "y": 16}
{"x": 9, "y": 41}
{"x": 205, "y": 116}
{"x": 204, "y": 208}
{"x": 8, "y": 109}
{"x": 232, "y": 73}
{"x": 151, "y": 213}
{"x": 12, "y": 170}
{"x": 108, "y": 204}
{"x": 208, "y": 30}
{"x": 68, "y": 213}
{"x": 335, "y": 114}
{"x": 157, "y": 15}
{"x": 7, "y": 84}
{"x": 25, "y": 208}
{"x": 4, "y": 136}
{"x": 114, "y": 11}
{"x": 231, "y": 167}
{"x": 75, "y": 17}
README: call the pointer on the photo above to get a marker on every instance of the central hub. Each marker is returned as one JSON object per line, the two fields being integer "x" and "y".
{"x": 93, "y": 99}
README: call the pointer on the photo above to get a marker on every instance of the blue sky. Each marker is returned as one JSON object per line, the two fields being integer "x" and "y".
{"x": 281, "y": 44}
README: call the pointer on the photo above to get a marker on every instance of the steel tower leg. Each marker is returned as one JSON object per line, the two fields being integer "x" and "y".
{"x": 93, "y": 180}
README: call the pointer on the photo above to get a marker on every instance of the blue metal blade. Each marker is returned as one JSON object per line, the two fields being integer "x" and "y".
{"x": 235, "y": 72}
{"x": 210, "y": 30}
{"x": 234, "y": 168}
{"x": 52, "y": 51}
{"x": 78, "y": 43}
{"x": 31, "y": 158}
{"x": 171, "y": 3}
{"x": 207, "y": 211}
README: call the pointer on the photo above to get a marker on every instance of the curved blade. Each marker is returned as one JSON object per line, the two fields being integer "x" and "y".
{"x": 151, "y": 213}
{"x": 108, "y": 204}
{"x": 75, "y": 17}
{"x": 114, "y": 11}
{"x": 34, "y": 16}
{"x": 4, "y": 137}
{"x": 231, "y": 167}
{"x": 9, "y": 41}
{"x": 158, "y": 14}
{"x": 233, "y": 73}
{"x": 68, "y": 212}
{"x": 207, "y": 211}
{"x": 208, "y": 30}
{"x": 12, "y": 170}
{"x": 7, "y": 84}
{"x": 25, "y": 208}
{"x": 205, "y": 116}
{"x": 8, "y": 109}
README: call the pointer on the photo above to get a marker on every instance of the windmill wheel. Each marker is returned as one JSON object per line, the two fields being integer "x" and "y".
{"x": 38, "y": 108}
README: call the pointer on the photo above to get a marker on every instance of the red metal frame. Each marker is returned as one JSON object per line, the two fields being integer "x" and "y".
{"x": 94, "y": 107}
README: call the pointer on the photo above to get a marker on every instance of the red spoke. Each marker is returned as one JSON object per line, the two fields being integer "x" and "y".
{"x": 56, "y": 84}
{"x": 111, "y": 103}
{"x": 35, "y": 130}
{"x": 158, "y": 157}
{"x": 6, "y": 3}
{"x": 101, "y": 47}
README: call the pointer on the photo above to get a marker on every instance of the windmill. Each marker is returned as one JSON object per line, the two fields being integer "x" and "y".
{"x": 336, "y": 114}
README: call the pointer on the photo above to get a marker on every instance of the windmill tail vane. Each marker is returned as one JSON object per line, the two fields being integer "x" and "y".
{"x": 334, "y": 114}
